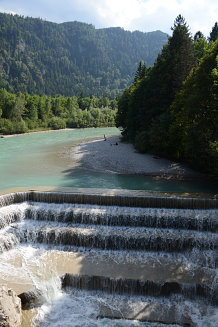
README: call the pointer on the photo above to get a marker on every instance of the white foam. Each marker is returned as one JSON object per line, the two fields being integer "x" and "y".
{"x": 26, "y": 264}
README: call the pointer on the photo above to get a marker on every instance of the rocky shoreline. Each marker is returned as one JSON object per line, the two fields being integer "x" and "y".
{"x": 10, "y": 308}
{"x": 111, "y": 155}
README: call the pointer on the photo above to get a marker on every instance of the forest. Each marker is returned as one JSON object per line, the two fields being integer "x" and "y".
{"x": 21, "y": 112}
{"x": 171, "y": 109}
{"x": 41, "y": 57}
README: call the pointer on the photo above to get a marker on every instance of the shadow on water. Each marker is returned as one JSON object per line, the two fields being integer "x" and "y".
{"x": 95, "y": 170}
{"x": 45, "y": 160}
{"x": 85, "y": 178}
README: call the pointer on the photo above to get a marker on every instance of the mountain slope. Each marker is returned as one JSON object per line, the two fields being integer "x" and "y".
{"x": 69, "y": 58}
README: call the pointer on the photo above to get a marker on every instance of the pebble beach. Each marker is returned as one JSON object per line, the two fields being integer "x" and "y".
{"x": 112, "y": 155}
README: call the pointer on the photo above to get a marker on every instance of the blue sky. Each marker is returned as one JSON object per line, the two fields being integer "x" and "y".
{"x": 143, "y": 15}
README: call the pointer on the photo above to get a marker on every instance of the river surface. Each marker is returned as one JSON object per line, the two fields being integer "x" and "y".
{"x": 37, "y": 159}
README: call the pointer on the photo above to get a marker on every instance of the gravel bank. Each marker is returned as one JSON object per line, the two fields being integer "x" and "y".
{"x": 117, "y": 157}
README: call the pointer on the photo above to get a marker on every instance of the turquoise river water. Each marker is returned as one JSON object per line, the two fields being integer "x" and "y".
{"x": 37, "y": 160}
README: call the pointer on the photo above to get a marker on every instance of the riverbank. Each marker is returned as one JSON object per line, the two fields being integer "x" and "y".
{"x": 36, "y": 132}
{"x": 54, "y": 160}
{"x": 113, "y": 156}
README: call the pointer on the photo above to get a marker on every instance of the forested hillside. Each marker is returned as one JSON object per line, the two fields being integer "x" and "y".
{"x": 41, "y": 57}
{"x": 171, "y": 109}
{"x": 20, "y": 113}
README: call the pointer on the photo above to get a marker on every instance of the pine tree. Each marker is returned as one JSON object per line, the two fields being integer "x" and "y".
{"x": 193, "y": 131}
{"x": 198, "y": 35}
{"x": 141, "y": 71}
{"x": 200, "y": 45}
{"x": 181, "y": 53}
{"x": 214, "y": 33}
{"x": 147, "y": 110}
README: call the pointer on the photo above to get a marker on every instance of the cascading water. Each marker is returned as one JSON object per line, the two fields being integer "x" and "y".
{"x": 142, "y": 263}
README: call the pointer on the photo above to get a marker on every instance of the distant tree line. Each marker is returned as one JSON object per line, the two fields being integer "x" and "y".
{"x": 41, "y": 57}
{"x": 171, "y": 109}
{"x": 21, "y": 112}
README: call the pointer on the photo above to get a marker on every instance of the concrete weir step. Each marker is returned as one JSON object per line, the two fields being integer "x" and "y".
{"x": 145, "y": 258}
{"x": 201, "y": 220}
{"x": 7, "y": 241}
{"x": 117, "y": 238}
{"x": 133, "y": 299}
{"x": 122, "y": 198}
{"x": 124, "y": 216}
{"x": 132, "y": 265}
{"x": 116, "y": 306}
{"x": 147, "y": 309}
{"x": 139, "y": 287}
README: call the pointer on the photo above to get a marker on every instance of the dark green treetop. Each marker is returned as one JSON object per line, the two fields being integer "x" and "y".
{"x": 198, "y": 35}
{"x": 141, "y": 71}
{"x": 214, "y": 33}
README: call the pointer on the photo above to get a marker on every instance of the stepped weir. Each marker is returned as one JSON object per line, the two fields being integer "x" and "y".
{"x": 132, "y": 258}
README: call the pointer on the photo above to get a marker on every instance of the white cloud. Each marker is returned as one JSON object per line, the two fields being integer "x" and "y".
{"x": 149, "y": 15}
{"x": 118, "y": 13}
{"x": 144, "y": 15}
{"x": 157, "y": 14}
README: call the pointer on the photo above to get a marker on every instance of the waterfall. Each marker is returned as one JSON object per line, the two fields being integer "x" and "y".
{"x": 139, "y": 287}
{"x": 110, "y": 200}
{"x": 142, "y": 256}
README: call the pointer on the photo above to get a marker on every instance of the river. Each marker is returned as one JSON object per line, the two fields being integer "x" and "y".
{"x": 34, "y": 160}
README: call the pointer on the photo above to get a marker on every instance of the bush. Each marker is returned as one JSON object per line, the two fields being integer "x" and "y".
{"x": 12, "y": 127}
{"x": 57, "y": 123}
{"x": 20, "y": 127}
{"x": 6, "y": 126}
{"x": 142, "y": 143}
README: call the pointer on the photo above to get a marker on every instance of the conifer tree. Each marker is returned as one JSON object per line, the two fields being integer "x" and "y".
{"x": 214, "y": 33}
{"x": 148, "y": 104}
{"x": 193, "y": 130}
{"x": 198, "y": 35}
{"x": 141, "y": 71}
{"x": 200, "y": 45}
{"x": 181, "y": 52}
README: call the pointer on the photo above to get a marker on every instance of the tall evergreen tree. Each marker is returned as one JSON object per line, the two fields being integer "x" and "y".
{"x": 214, "y": 33}
{"x": 141, "y": 71}
{"x": 181, "y": 53}
{"x": 193, "y": 130}
{"x": 200, "y": 45}
{"x": 150, "y": 99}
{"x": 198, "y": 35}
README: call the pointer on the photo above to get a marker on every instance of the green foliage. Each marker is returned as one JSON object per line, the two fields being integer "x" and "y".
{"x": 195, "y": 115}
{"x": 142, "y": 141}
{"x": 200, "y": 46}
{"x": 172, "y": 110}
{"x": 40, "y": 57}
{"x": 214, "y": 33}
{"x": 6, "y": 126}
{"x": 11, "y": 127}
{"x": 56, "y": 123}
{"x": 152, "y": 95}
{"x": 23, "y": 112}
{"x": 141, "y": 71}
{"x": 198, "y": 35}
{"x": 123, "y": 105}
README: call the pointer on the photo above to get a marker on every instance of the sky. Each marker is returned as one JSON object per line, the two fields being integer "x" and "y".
{"x": 142, "y": 15}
